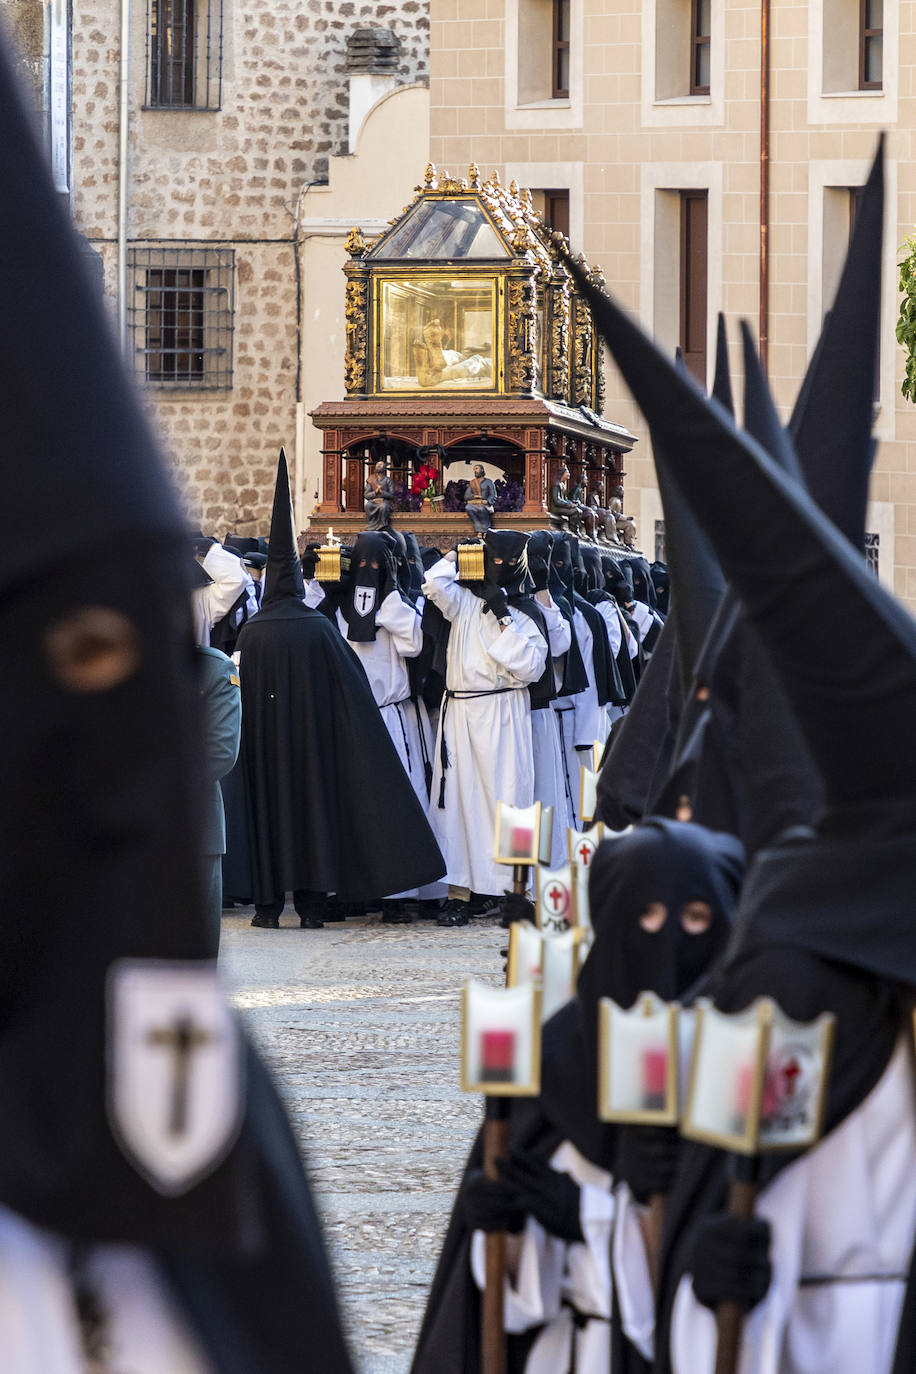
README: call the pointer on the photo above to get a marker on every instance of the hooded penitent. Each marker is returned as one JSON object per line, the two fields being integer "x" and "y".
{"x": 677, "y": 864}
{"x": 568, "y": 562}
{"x": 373, "y": 575}
{"x": 506, "y": 566}
{"x": 315, "y": 752}
{"x": 102, "y": 899}
{"x": 805, "y": 934}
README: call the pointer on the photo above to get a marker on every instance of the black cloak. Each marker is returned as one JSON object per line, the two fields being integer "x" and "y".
{"x": 99, "y": 845}
{"x": 316, "y": 755}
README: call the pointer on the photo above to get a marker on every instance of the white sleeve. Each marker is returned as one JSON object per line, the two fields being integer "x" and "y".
{"x": 314, "y": 593}
{"x": 229, "y": 579}
{"x": 520, "y": 648}
{"x": 612, "y": 621}
{"x": 559, "y": 630}
{"x": 588, "y": 1263}
{"x": 402, "y": 622}
{"x": 641, "y": 613}
{"x": 442, "y": 589}
{"x": 534, "y": 1297}
{"x": 632, "y": 1279}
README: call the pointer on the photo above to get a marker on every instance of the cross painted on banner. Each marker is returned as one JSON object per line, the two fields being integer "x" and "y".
{"x": 182, "y": 1038}
{"x": 586, "y": 853}
{"x": 558, "y": 896}
{"x": 790, "y": 1073}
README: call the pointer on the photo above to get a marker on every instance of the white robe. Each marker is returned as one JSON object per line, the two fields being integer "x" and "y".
{"x": 549, "y": 767}
{"x": 552, "y": 1273}
{"x": 565, "y": 713}
{"x": 611, "y": 617}
{"x": 487, "y": 738}
{"x": 398, "y": 637}
{"x": 846, "y": 1208}
{"x": 209, "y": 604}
{"x": 39, "y": 1328}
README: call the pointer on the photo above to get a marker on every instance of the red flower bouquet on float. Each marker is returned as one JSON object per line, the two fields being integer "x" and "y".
{"x": 424, "y": 482}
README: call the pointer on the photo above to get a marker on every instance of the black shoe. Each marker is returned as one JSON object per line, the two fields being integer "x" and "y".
{"x": 480, "y": 905}
{"x": 310, "y": 923}
{"x": 454, "y": 913}
{"x": 430, "y": 908}
{"x": 265, "y": 922}
{"x": 394, "y": 914}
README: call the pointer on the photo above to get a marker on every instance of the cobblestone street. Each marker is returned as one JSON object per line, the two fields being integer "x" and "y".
{"x": 360, "y": 1025}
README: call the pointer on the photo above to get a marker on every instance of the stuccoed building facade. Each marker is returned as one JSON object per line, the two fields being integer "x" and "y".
{"x": 189, "y": 183}
{"x": 639, "y": 123}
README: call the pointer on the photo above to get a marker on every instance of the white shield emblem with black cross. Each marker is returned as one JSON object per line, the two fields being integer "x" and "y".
{"x": 175, "y": 1094}
{"x": 364, "y": 600}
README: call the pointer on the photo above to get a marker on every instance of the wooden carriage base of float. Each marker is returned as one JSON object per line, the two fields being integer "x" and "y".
{"x": 466, "y": 343}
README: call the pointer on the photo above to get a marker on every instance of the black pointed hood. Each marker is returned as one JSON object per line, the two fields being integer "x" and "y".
{"x": 801, "y": 594}
{"x": 832, "y": 429}
{"x": 101, "y": 817}
{"x": 283, "y": 577}
{"x": 855, "y": 710}
{"x": 697, "y": 583}
{"x": 782, "y": 785}
{"x": 722, "y": 380}
{"x": 640, "y": 743}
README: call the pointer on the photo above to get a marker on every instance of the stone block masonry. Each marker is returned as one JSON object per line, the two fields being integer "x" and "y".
{"x": 233, "y": 177}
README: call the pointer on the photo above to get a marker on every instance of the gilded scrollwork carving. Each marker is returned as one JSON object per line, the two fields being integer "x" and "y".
{"x": 558, "y": 381}
{"x": 357, "y": 334}
{"x": 523, "y": 334}
{"x": 583, "y": 338}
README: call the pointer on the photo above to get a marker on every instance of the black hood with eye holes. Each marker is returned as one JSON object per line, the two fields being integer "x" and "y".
{"x": 511, "y": 573}
{"x": 665, "y": 861}
{"x": 366, "y": 586}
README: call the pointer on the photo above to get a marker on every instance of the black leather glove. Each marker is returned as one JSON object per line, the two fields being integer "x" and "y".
{"x": 515, "y": 906}
{"x": 731, "y": 1261}
{"x": 552, "y": 1198}
{"x": 494, "y": 598}
{"x": 647, "y": 1159}
{"x": 310, "y": 561}
{"x": 489, "y": 1205}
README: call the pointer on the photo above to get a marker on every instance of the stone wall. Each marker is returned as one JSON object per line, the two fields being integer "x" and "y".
{"x": 232, "y": 176}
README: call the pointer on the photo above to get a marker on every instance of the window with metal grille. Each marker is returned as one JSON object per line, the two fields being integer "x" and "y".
{"x": 181, "y": 316}
{"x": 700, "y": 22}
{"x": 184, "y": 54}
{"x": 872, "y": 542}
{"x": 871, "y": 45}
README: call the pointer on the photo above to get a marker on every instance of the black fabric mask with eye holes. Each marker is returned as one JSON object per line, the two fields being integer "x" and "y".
{"x": 660, "y": 865}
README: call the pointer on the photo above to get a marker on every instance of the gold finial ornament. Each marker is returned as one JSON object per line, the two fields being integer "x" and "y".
{"x": 474, "y": 176}
{"x": 354, "y": 243}
{"x": 513, "y": 189}
{"x": 429, "y": 179}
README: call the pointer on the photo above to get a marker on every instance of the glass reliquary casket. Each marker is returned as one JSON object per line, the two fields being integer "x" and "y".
{"x": 459, "y": 314}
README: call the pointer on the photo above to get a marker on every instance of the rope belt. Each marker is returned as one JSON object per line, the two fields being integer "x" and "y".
{"x": 820, "y": 1280}
{"x": 580, "y": 1322}
{"x": 397, "y": 706}
{"x": 459, "y": 695}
